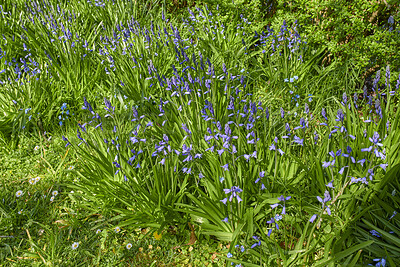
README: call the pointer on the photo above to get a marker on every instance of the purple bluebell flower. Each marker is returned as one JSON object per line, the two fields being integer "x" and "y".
{"x": 323, "y": 113}
{"x": 225, "y": 167}
{"x": 380, "y": 262}
{"x": 330, "y": 185}
{"x": 327, "y": 197}
{"x": 274, "y": 222}
{"x": 234, "y": 190}
{"x": 375, "y": 233}
{"x": 375, "y": 139}
{"x": 185, "y": 128}
{"x": 342, "y": 169}
{"x": 258, "y": 243}
{"x": 344, "y": 98}
{"x": 340, "y": 115}
{"x": 87, "y": 106}
{"x": 298, "y": 140}
{"x": 361, "y": 161}
{"x": 281, "y": 199}
{"x": 66, "y": 140}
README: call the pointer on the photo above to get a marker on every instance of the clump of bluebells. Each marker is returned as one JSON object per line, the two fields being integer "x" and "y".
{"x": 233, "y": 143}
{"x": 65, "y": 113}
{"x": 184, "y": 133}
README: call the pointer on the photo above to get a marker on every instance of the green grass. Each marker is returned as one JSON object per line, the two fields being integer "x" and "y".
{"x": 44, "y": 231}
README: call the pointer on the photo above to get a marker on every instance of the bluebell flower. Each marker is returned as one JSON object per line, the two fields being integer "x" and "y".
{"x": 340, "y": 115}
{"x": 270, "y": 222}
{"x": 234, "y": 190}
{"x": 281, "y": 199}
{"x": 298, "y": 140}
{"x": 342, "y": 169}
{"x": 375, "y": 233}
{"x": 327, "y": 198}
{"x": 394, "y": 213}
{"x": 258, "y": 243}
{"x": 380, "y": 262}
{"x": 330, "y": 185}
{"x": 66, "y": 140}
{"x": 225, "y": 167}
{"x": 323, "y": 113}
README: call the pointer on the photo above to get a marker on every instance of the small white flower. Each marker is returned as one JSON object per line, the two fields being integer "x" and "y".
{"x": 75, "y": 245}
{"x": 70, "y": 168}
{"x": 33, "y": 181}
{"x": 98, "y": 231}
{"x": 52, "y": 199}
{"x": 55, "y": 193}
{"x": 117, "y": 229}
{"x": 36, "y": 148}
{"x": 128, "y": 246}
{"x": 20, "y": 212}
{"x": 200, "y": 220}
{"x": 72, "y": 192}
{"x": 19, "y": 193}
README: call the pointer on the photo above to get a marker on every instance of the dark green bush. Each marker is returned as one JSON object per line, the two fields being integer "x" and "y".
{"x": 364, "y": 32}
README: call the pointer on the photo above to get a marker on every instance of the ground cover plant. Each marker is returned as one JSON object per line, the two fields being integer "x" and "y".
{"x": 157, "y": 138}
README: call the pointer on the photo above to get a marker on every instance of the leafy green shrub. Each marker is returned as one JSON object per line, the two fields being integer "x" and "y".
{"x": 362, "y": 31}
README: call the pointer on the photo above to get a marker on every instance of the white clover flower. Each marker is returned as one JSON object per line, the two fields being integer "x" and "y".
{"x": 33, "y": 181}
{"x": 19, "y": 193}
{"x": 55, "y": 193}
{"x": 128, "y": 246}
{"x": 117, "y": 229}
{"x": 75, "y": 245}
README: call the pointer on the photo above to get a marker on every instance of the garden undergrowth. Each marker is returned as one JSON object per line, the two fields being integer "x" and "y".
{"x": 191, "y": 140}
